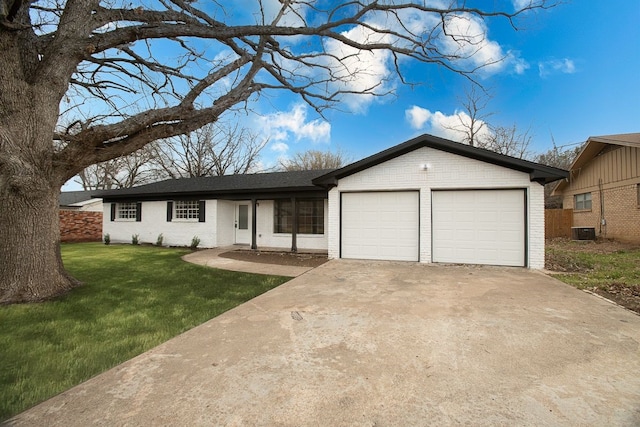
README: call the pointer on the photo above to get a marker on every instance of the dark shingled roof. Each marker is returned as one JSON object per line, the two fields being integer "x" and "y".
{"x": 537, "y": 172}
{"x": 68, "y": 198}
{"x": 227, "y": 186}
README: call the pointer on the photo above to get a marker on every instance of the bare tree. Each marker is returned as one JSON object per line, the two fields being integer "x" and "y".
{"x": 508, "y": 140}
{"x": 315, "y": 160}
{"x": 472, "y": 120}
{"x": 212, "y": 150}
{"x": 135, "y": 169}
{"x": 558, "y": 158}
{"x": 126, "y": 73}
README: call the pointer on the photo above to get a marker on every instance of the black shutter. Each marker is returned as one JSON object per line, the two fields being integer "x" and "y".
{"x": 113, "y": 211}
{"x": 138, "y": 212}
{"x": 201, "y": 211}
{"x": 169, "y": 211}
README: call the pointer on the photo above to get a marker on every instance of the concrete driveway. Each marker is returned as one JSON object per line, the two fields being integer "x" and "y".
{"x": 355, "y": 343}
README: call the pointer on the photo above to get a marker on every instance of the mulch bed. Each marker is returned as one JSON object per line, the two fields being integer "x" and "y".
{"x": 278, "y": 258}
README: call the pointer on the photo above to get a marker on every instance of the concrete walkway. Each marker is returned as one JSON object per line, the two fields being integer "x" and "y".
{"x": 353, "y": 343}
{"x": 210, "y": 258}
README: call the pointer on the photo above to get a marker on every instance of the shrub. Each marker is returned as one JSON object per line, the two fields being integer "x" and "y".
{"x": 194, "y": 242}
{"x": 159, "y": 240}
{"x": 107, "y": 239}
{"x": 135, "y": 239}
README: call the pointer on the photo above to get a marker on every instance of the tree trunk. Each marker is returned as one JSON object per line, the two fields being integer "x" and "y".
{"x": 30, "y": 263}
{"x": 31, "y": 268}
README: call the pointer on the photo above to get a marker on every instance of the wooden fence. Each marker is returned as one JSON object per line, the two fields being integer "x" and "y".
{"x": 558, "y": 223}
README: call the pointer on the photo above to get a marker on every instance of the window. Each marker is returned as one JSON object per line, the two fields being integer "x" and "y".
{"x": 187, "y": 209}
{"x": 582, "y": 202}
{"x": 310, "y": 215}
{"x": 127, "y": 210}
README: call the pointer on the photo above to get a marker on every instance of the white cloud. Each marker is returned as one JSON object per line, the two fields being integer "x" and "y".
{"x": 467, "y": 39}
{"x": 521, "y": 4}
{"x": 417, "y": 116}
{"x": 519, "y": 64}
{"x": 279, "y": 147}
{"x": 555, "y": 66}
{"x": 446, "y": 126}
{"x": 293, "y": 125}
{"x": 359, "y": 71}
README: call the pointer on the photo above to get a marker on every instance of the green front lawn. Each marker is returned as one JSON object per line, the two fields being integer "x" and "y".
{"x": 134, "y": 298}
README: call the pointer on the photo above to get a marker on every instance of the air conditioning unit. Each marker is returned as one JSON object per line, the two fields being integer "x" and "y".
{"x": 583, "y": 233}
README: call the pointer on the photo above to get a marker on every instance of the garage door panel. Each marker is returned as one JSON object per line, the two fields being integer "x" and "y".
{"x": 479, "y": 227}
{"x": 380, "y": 225}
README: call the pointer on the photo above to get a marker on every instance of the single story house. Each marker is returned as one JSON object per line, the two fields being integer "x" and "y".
{"x": 428, "y": 200}
{"x": 79, "y": 201}
{"x": 603, "y": 188}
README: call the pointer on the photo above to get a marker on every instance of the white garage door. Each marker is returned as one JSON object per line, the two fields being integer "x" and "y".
{"x": 479, "y": 227}
{"x": 380, "y": 225}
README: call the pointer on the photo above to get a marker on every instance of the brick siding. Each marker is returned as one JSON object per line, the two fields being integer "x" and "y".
{"x": 621, "y": 212}
{"x": 80, "y": 226}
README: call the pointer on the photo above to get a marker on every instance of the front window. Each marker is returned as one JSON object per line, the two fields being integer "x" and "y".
{"x": 582, "y": 201}
{"x": 310, "y": 216}
{"x": 187, "y": 209}
{"x": 127, "y": 210}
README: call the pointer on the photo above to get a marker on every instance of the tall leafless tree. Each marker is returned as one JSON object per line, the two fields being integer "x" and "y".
{"x": 314, "y": 160}
{"x": 508, "y": 140}
{"x": 212, "y": 150}
{"x": 123, "y": 172}
{"x": 126, "y": 73}
{"x": 472, "y": 120}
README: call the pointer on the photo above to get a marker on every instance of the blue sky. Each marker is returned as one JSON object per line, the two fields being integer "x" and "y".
{"x": 570, "y": 72}
{"x": 581, "y": 78}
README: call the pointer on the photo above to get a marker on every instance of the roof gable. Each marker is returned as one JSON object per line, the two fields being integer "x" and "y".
{"x": 594, "y": 146}
{"x": 537, "y": 172}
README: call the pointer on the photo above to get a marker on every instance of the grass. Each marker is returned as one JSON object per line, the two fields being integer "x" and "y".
{"x": 134, "y": 298}
{"x": 589, "y": 265}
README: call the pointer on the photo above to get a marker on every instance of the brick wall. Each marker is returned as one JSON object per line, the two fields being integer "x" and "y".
{"x": 621, "y": 212}
{"x": 80, "y": 226}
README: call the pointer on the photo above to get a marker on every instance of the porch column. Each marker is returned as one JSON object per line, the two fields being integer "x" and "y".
{"x": 254, "y": 212}
{"x": 294, "y": 229}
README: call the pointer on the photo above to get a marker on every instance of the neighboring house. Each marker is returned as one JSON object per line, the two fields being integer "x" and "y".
{"x": 426, "y": 200}
{"x": 79, "y": 201}
{"x": 80, "y": 217}
{"x": 603, "y": 188}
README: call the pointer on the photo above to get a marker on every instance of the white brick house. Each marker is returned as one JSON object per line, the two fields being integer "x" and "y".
{"x": 426, "y": 200}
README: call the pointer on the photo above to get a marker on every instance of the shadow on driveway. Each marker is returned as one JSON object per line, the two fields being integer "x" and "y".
{"x": 355, "y": 343}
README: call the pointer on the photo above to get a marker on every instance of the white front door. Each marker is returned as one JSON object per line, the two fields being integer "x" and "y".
{"x": 243, "y": 231}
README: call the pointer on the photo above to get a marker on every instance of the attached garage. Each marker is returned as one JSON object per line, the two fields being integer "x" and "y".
{"x": 434, "y": 200}
{"x": 381, "y": 225}
{"x": 479, "y": 227}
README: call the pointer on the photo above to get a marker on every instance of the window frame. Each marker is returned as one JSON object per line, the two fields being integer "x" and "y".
{"x": 581, "y": 200}
{"x": 186, "y": 210}
{"x": 126, "y": 211}
{"x": 309, "y": 223}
